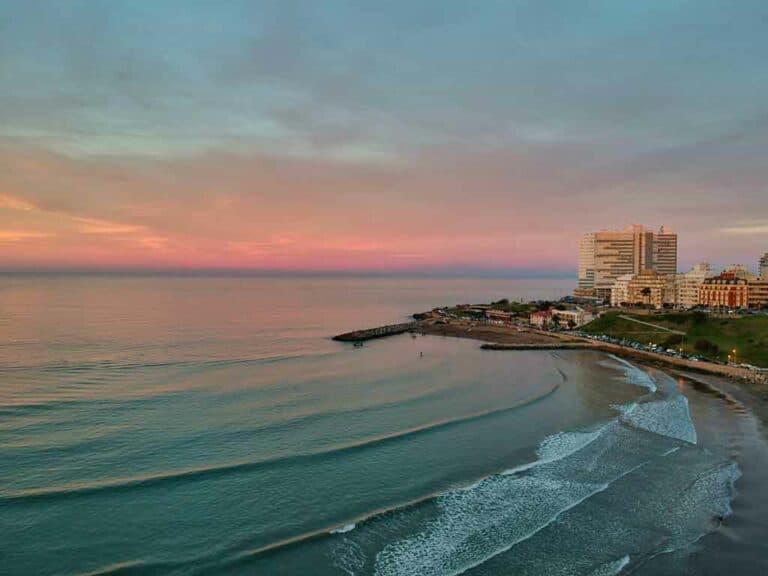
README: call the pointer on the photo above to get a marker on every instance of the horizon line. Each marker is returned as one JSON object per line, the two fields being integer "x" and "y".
{"x": 472, "y": 272}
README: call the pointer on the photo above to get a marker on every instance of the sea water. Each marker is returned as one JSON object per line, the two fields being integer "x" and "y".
{"x": 208, "y": 425}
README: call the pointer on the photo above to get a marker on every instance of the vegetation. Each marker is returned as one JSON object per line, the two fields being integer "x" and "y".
{"x": 514, "y": 307}
{"x": 503, "y": 305}
{"x": 704, "y": 334}
{"x": 646, "y": 292}
{"x": 673, "y": 341}
{"x": 706, "y": 347}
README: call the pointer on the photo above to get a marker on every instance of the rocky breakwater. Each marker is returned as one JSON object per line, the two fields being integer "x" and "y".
{"x": 378, "y": 332}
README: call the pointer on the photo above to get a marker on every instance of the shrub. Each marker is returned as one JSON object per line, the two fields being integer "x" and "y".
{"x": 706, "y": 347}
{"x": 673, "y": 340}
{"x": 698, "y": 318}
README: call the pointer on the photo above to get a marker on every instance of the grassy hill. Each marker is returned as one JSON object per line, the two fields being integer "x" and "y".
{"x": 748, "y": 336}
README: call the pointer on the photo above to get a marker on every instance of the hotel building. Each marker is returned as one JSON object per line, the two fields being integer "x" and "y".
{"x": 606, "y": 255}
{"x": 649, "y": 288}
{"x": 764, "y": 266}
{"x": 727, "y": 290}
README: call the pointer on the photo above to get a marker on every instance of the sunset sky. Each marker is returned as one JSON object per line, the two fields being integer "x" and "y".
{"x": 327, "y": 135}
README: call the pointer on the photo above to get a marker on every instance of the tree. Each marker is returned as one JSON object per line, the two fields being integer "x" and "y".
{"x": 502, "y": 304}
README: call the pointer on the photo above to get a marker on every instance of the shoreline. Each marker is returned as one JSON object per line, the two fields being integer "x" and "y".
{"x": 516, "y": 338}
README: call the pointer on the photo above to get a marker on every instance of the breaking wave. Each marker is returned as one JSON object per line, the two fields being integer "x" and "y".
{"x": 478, "y": 528}
{"x": 634, "y": 375}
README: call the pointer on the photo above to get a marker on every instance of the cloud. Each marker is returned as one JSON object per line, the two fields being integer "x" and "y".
{"x": 12, "y": 203}
{"x": 22, "y": 235}
{"x": 105, "y": 227}
{"x": 747, "y": 230}
{"x": 513, "y": 206}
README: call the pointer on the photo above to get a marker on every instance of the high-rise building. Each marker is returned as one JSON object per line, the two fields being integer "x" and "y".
{"x": 587, "y": 262}
{"x": 608, "y": 254}
{"x": 764, "y": 266}
{"x": 665, "y": 251}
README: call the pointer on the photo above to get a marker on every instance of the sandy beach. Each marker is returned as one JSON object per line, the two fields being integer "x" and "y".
{"x": 753, "y": 386}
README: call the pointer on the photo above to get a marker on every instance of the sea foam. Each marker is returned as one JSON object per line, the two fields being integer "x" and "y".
{"x": 635, "y": 375}
{"x": 557, "y": 447}
{"x": 344, "y": 529}
{"x": 669, "y": 417}
{"x": 612, "y": 568}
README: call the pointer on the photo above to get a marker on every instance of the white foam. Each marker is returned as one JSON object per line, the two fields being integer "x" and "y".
{"x": 472, "y": 486}
{"x": 669, "y": 417}
{"x": 611, "y": 568}
{"x": 344, "y": 529}
{"x": 557, "y": 447}
{"x": 474, "y": 526}
{"x": 563, "y": 444}
{"x": 477, "y": 525}
{"x": 635, "y": 375}
{"x": 490, "y": 517}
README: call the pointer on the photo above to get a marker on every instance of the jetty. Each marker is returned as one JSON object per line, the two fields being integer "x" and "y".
{"x": 378, "y": 332}
{"x": 539, "y": 346}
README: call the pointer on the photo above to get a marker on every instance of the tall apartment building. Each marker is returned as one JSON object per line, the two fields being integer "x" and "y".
{"x": 608, "y": 254}
{"x": 665, "y": 251}
{"x": 764, "y": 266}
{"x": 587, "y": 263}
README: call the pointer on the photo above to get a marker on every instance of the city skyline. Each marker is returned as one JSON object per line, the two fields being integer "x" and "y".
{"x": 292, "y": 136}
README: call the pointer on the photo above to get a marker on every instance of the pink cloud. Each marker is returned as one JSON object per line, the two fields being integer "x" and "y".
{"x": 449, "y": 208}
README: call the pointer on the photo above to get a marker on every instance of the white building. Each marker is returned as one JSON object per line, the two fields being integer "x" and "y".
{"x": 764, "y": 266}
{"x": 620, "y": 290}
{"x": 687, "y": 285}
{"x": 565, "y": 318}
{"x": 575, "y": 317}
{"x": 739, "y": 271}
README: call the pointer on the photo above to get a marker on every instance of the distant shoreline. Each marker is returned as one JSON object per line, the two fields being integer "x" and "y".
{"x": 511, "y": 338}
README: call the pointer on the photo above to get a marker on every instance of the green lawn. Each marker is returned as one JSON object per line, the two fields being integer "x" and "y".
{"x": 748, "y": 336}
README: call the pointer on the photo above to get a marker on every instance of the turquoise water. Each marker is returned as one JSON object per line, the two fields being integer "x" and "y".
{"x": 210, "y": 426}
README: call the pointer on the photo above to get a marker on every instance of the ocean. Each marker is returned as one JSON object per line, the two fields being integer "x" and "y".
{"x": 209, "y": 425}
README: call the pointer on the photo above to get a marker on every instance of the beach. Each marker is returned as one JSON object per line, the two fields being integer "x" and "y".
{"x": 753, "y": 386}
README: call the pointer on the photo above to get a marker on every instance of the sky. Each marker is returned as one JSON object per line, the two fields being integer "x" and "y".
{"x": 378, "y": 136}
